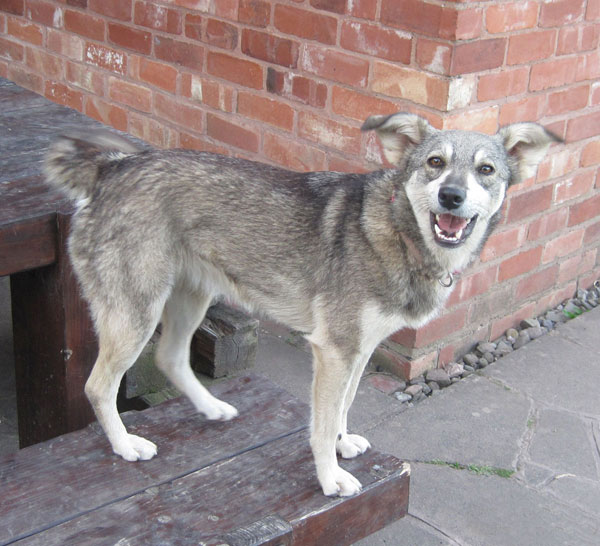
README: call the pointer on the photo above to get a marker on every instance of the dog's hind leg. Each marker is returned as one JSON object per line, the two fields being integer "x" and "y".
{"x": 182, "y": 315}
{"x": 121, "y": 339}
{"x": 351, "y": 445}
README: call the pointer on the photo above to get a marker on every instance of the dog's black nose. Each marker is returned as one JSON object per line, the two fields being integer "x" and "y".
{"x": 451, "y": 197}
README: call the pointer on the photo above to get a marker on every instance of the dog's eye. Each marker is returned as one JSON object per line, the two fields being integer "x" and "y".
{"x": 435, "y": 162}
{"x": 486, "y": 169}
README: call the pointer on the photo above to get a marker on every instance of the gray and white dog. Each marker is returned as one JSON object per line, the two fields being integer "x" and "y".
{"x": 346, "y": 258}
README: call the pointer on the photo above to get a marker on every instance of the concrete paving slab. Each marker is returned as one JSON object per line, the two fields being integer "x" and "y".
{"x": 554, "y": 370}
{"x": 472, "y": 422}
{"x": 408, "y": 531}
{"x": 583, "y": 331}
{"x": 493, "y": 511}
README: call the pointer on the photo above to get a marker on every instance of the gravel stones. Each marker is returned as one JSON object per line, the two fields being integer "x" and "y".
{"x": 485, "y": 353}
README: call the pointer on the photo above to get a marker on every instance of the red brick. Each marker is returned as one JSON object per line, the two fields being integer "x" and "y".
{"x": 358, "y": 106}
{"x": 150, "y": 15}
{"x": 293, "y": 154}
{"x": 25, "y": 78}
{"x": 157, "y": 74}
{"x": 83, "y": 76}
{"x": 530, "y": 108}
{"x": 202, "y": 143}
{"x": 231, "y": 133}
{"x": 107, "y": 113}
{"x": 573, "y": 39}
{"x": 574, "y": 98}
{"x": 25, "y": 31}
{"x": 84, "y": 24}
{"x": 561, "y": 12}
{"x": 246, "y": 73}
{"x": 130, "y": 38}
{"x": 435, "y": 330}
{"x": 42, "y": 12}
{"x": 266, "y": 47}
{"x": 60, "y": 93}
{"x": 469, "y": 24}
{"x": 414, "y": 85}
{"x": 43, "y": 63}
{"x": 536, "y": 283}
{"x": 583, "y": 127}
{"x": 335, "y": 6}
{"x": 562, "y": 246}
{"x": 298, "y": 88}
{"x": 528, "y": 203}
{"x": 363, "y": 9}
{"x": 306, "y": 24}
{"x": 507, "y": 83}
{"x": 178, "y": 52}
{"x": 434, "y": 56}
{"x": 520, "y": 264}
{"x": 264, "y": 109}
{"x": 106, "y": 58}
{"x": 472, "y": 285}
{"x": 585, "y": 210}
{"x": 153, "y": 131}
{"x": 499, "y": 327}
{"x": 414, "y": 15}
{"x": 593, "y": 10}
{"x": 212, "y": 31}
{"x": 590, "y": 154}
{"x": 375, "y": 41}
{"x": 574, "y": 187}
{"x": 511, "y": 16}
{"x": 172, "y": 109}
{"x": 117, "y": 9}
{"x": 328, "y": 132}
{"x": 212, "y": 93}
{"x": 592, "y": 233}
{"x": 333, "y": 65}
{"x": 559, "y": 162}
{"x": 552, "y": 74}
{"x": 478, "y": 55}
{"x": 11, "y": 51}
{"x": 130, "y": 94}
{"x": 530, "y": 46}
{"x": 547, "y": 224}
{"x": 595, "y": 99}
{"x": 254, "y": 12}
{"x": 484, "y": 120}
{"x": 588, "y": 66}
{"x": 16, "y": 7}
{"x": 67, "y": 45}
{"x": 342, "y": 164}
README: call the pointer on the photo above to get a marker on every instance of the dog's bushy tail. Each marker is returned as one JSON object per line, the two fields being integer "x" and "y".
{"x": 73, "y": 160}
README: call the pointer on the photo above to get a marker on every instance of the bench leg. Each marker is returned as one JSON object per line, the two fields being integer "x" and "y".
{"x": 55, "y": 348}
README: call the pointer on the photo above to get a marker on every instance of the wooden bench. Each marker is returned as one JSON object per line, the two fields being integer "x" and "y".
{"x": 54, "y": 343}
{"x": 248, "y": 481}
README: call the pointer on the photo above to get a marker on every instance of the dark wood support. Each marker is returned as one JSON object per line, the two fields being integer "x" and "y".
{"x": 54, "y": 347}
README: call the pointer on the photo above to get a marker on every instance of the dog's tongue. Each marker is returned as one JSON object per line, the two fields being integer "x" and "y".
{"x": 450, "y": 223}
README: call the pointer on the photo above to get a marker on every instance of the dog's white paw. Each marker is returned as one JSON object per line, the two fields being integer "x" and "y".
{"x": 219, "y": 411}
{"x": 351, "y": 445}
{"x": 340, "y": 483}
{"x": 135, "y": 448}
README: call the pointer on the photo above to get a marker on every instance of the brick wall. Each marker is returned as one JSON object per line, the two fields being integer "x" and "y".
{"x": 289, "y": 82}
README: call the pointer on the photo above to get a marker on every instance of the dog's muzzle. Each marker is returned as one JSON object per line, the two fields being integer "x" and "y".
{"x": 450, "y": 230}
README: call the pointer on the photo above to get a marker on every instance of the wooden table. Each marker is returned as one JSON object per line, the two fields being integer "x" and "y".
{"x": 54, "y": 344}
{"x": 248, "y": 481}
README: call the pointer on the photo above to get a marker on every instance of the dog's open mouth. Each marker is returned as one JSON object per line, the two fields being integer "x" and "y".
{"x": 450, "y": 230}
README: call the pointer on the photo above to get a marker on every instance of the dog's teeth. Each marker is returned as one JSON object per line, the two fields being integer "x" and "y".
{"x": 458, "y": 234}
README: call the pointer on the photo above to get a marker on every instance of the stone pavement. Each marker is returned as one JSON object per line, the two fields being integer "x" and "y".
{"x": 507, "y": 456}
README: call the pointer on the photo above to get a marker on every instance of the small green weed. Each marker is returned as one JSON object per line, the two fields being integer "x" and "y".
{"x": 481, "y": 470}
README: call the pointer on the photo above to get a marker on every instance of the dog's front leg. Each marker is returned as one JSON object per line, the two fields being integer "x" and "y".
{"x": 331, "y": 380}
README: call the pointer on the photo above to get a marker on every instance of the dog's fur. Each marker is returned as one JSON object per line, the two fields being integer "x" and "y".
{"x": 346, "y": 258}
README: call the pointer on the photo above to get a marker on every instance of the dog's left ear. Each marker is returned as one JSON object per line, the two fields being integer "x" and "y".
{"x": 527, "y": 144}
{"x": 399, "y": 133}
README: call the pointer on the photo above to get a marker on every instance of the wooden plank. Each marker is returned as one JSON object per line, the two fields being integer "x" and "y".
{"x": 66, "y": 477}
{"x": 232, "y": 499}
{"x": 55, "y": 348}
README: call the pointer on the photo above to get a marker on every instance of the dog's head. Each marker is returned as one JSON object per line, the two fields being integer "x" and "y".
{"x": 456, "y": 181}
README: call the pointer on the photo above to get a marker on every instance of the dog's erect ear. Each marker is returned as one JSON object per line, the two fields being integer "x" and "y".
{"x": 399, "y": 133}
{"x": 527, "y": 143}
